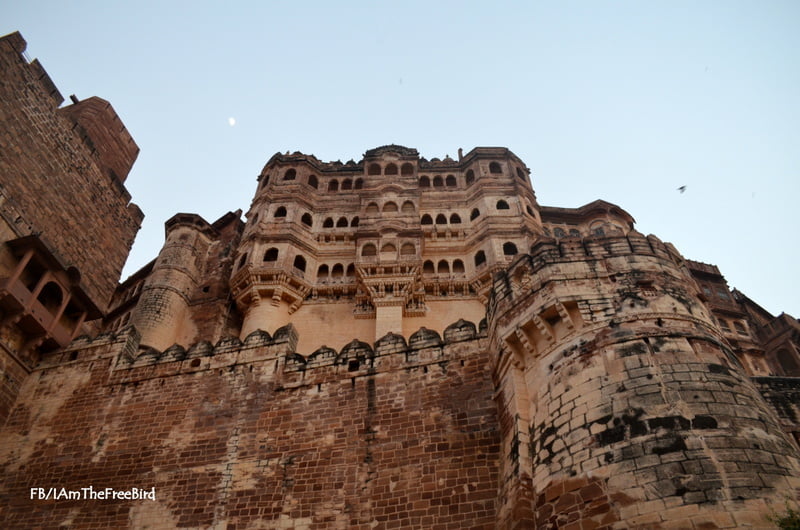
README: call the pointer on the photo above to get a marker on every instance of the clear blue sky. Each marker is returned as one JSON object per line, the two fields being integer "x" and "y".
{"x": 624, "y": 101}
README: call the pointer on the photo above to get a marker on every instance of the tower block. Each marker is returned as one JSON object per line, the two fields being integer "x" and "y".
{"x": 621, "y": 399}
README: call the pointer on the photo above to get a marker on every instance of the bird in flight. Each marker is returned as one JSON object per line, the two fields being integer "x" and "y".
{"x": 682, "y": 189}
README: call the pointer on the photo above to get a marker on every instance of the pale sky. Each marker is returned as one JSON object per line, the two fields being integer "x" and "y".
{"x": 614, "y": 100}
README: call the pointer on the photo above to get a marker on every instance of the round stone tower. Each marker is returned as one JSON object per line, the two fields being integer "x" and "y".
{"x": 621, "y": 400}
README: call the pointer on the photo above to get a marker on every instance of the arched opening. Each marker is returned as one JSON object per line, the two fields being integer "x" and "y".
{"x": 342, "y": 222}
{"x": 51, "y": 297}
{"x": 427, "y": 267}
{"x": 520, "y": 175}
{"x": 559, "y": 232}
{"x": 388, "y": 251}
{"x": 280, "y": 212}
{"x": 313, "y": 182}
{"x": 299, "y": 263}
{"x": 443, "y": 267}
{"x": 369, "y": 250}
{"x": 408, "y": 249}
{"x": 391, "y": 169}
{"x": 475, "y": 214}
{"x": 333, "y": 185}
{"x": 529, "y": 210}
{"x": 573, "y": 232}
{"x": 390, "y": 207}
{"x": 494, "y": 167}
{"x": 242, "y": 260}
{"x": 455, "y": 219}
{"x": 407, "y": 169}
{"x": 470, "y": 177}
{"x": 327, "y": 223}
{"x": 358, "y": 184}
{"x": 290, "y": 174}
{"x": 509, "y": 248}
{"x": 450, "y": 181}
{"x": 347, "y": 184}
{"x": 271, "y": 254}
{"x": 480, "y": 258}
{"x": 458, "y": 267}
{"x": 374, "y": 169}
{"x": 351, "y": 271}
{"x": 306, "y": 219}
{"x": 502, "y": 205}
{"x": 354, "y": 222}
{"x": 254, "y": 219}
{"x": 438, "y": 182}
{"x": 372, "y": 208}
{"x": 337, "y": 271}
{"x": 441, "y": 219}
{"x": 322, "y": 272}
{"x": 424, "y": 182}
{"x": 788, "y": 363}
{"x": 264, "y": 181}
{"x": 408, "y": 207}
{"x": 426, "y": 220}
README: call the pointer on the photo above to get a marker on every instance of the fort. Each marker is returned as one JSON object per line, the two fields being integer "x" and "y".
{"x": 393, "y": 342}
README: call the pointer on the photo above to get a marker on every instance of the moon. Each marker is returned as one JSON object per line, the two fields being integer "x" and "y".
{"x": 231, "y": 121}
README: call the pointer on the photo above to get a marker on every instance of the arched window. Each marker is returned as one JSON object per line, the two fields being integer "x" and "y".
{"x": 443, "y": 267}
{"x": 390, "y": 207}
{"x": 739, "y": 327}
{"x": 391, "y": 169}
{"x": 427, "y": 267}
{"x": 441, "y": 219}
{"x": 450, "y": 181}
{"x": 455, "y": 219}
{"x": 502, "y": 205}
{"x": 573, "y": 232}
{"x": 480, "y": 258}
{"x": 369, "y": 250}
{"x": 520, "y": 175}
{"x": 407, "y": 169}
{"x": 372, "y": 208}
{"x": 306, "y": 219}
{"x": 322, "y": 272}
{"x": 408, "y": 207}
{"x": 475, "y": 214}
{"x": 424, "y": 182}
{"x": 313, "y": 182}
{"x": 374, "y": 169}
{"x": 438, "y": 182}
{"x": 458, "y": 267}
{"x": 354, "y": 222}
{"x": 494, "y": 167}
{"x": 347, "y": 184}
{"x": 559, "y": 232}
{"x": 358, "y": 184}
{"x": 426, "y": 220}
{"x": 264, "y": 181}
{"x": 388, "y": 251}
{"x": 509, "y": 248}
{"x": 407, "y": 249}
{"x": 529, "y": 210}
{"x": 300, "y": 263}
{"x": 290, "y": 174}
{"x": 243, "y": 260}
{"x": 280, "y": 212}
{"x": 254, "y": 219}
{"x": 328, "y": 223}
{"x": 470, "y": 177}
{"x": 51, "y": 296}
{"x": 342, "y": 222}
{"x": 351, "y": 271}
{"x": 333, "y": 185}
{"x": 337, "y": 271}
{"x": 271, "y": 254}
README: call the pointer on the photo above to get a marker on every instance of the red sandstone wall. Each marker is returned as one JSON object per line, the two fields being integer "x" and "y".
{"x": 57, "y": 182}
{"x": 240, "y": 434}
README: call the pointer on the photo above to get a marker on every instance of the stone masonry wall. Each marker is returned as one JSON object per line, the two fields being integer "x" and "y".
{"x": 252, "y": 435}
